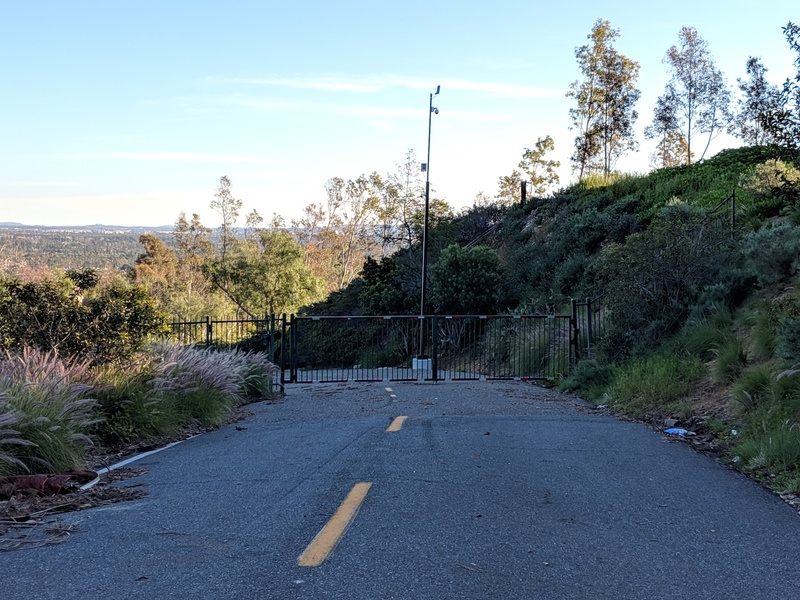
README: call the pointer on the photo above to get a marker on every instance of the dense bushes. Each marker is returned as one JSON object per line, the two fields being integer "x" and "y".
{"x": 76, "y": 316}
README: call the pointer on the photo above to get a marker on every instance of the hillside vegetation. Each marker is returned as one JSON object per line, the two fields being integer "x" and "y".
{"x": 702, "y": 312}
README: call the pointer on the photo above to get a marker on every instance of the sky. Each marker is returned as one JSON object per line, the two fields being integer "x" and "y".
{"x": 128, "y": 113}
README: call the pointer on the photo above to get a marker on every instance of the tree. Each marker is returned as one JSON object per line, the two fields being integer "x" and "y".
{"x": 267, "y": 275}
{"x": 228, "y": 207}
{"x": 606, "y": 101}
{"x": 696, "y": 99}
{"x": 759, "y": 100}
{"x": 466, "y": 281}
{"x": 509, "y": 191}
{"x": 194, "y": 295}
{"x": 411, "y": 189}
{"x": 540, "y": 174}
{"x": 782, "y": 122}
{"x": 670, "y": 151}
{"x": 155, "y": 269}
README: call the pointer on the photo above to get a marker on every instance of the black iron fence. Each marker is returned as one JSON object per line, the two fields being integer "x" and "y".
{"x": 310, "y": 349}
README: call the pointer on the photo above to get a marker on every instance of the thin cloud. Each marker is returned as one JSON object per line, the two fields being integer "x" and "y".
{"x": 330, "y": 84}
{"x": 40, "y": 184}
{"x": 495, "y": 89}
{"x": 379, "y": 84}
{"x": 178, "y": 157}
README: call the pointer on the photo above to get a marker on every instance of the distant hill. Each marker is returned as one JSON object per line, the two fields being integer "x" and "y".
{"x": 72, "y": 247}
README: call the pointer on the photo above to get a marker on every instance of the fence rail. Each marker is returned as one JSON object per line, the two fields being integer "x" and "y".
{"x": 317, "y": 349}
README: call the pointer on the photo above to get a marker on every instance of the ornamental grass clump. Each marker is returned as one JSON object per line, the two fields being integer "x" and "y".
{"x": 206, "y": 384}
{"x": 49, "y": 409}
{"x": 132, "y": 408}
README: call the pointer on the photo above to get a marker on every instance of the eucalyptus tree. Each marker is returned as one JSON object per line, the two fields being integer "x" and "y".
{"x": 759, "y": 100}
{"x": 228, "y": 207}
{"x": 606, "y": 100}
{"x": 696, "y": 99}
{"x": 535, "y": 168}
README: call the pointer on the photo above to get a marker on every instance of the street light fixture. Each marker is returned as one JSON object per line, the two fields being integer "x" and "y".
{"x": 427, "y": 169}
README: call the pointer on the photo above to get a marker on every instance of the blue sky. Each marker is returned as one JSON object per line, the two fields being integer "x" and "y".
{"x": 128, "y": 113}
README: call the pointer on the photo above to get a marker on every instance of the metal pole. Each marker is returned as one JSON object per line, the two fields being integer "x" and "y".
{"x": 421, "y": 348}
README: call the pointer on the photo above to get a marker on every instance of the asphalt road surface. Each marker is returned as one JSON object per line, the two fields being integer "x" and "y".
{"x": 485, "y": 490}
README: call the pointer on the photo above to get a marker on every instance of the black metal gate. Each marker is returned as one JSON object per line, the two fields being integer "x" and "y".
{"x": 324, "y": 349}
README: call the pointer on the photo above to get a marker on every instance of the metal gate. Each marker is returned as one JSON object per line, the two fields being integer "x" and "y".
{"x": 324, "y": 349}
{"x": 431, "y": 348}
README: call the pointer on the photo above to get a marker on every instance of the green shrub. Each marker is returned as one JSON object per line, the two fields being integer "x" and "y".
{"x": 763, "y": 331}
{"x": 788, "y": 340}
{"x": 730, "y": 360}
{"x": 754, "y": 386}
{"x": 772, "y": 253}
{"x": 589, "y": 378}
{"x": 770, "y": 440}
{"x": 102, "y": 324}
{"x": 702, "y": 337}
{"x": 657, "y": 382}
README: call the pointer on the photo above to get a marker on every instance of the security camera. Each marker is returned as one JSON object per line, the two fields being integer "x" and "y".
{"x": 436, "y": 111}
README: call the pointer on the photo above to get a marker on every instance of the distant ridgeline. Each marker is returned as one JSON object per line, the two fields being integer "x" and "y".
{"x": 85, "y": 247}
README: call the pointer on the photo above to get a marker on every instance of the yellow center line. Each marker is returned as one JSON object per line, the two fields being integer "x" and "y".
{"x": 396, "y": 424}
{"x": 323, "y": 544}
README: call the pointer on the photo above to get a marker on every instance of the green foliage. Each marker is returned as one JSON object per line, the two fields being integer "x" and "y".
{"x": 656, "y": 277}
{"x": 266, "y": 275}
{"x": 730, "y": 361}
{"x": 390, "y": 287}
{"x": 754, "y": 386}
{"x": 466, "y": 281}
{"x": 788, "y": 340}
{"x": 131, "y": 408}
{"x": 655, "y": 383}
{"x": 774, "y": 185}
{"x": 763, "y": 330}
{"x": 772, "y": 253}
{"x": 590, "y": 378}
{"x": 103, "y": 324}
{"x": 702, "y": 337}
{"x": 770, "y": 441}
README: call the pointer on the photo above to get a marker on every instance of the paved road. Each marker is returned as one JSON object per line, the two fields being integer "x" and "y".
{"x": 489, "y": 490}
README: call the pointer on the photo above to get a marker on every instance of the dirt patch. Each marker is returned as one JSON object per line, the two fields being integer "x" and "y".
{"x": 28, "y": 518}
{"x": 711, "y": 400}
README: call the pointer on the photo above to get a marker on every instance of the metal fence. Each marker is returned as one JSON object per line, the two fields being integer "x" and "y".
{"x": 310, "y": 349}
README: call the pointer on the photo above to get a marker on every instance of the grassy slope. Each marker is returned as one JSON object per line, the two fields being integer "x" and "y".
{"x": 720, "y": 371}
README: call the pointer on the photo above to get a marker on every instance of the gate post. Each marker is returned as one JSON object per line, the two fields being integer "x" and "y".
{"x": 209, "y": 332}
{"x": 574, "y": 333}
{"x": 589, "y": 339}
{"x": 292, "y": 349}
{"x": 434, "y": 349}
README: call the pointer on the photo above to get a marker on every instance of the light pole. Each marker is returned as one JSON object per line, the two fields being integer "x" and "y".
{"x": 427, "y": 169}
